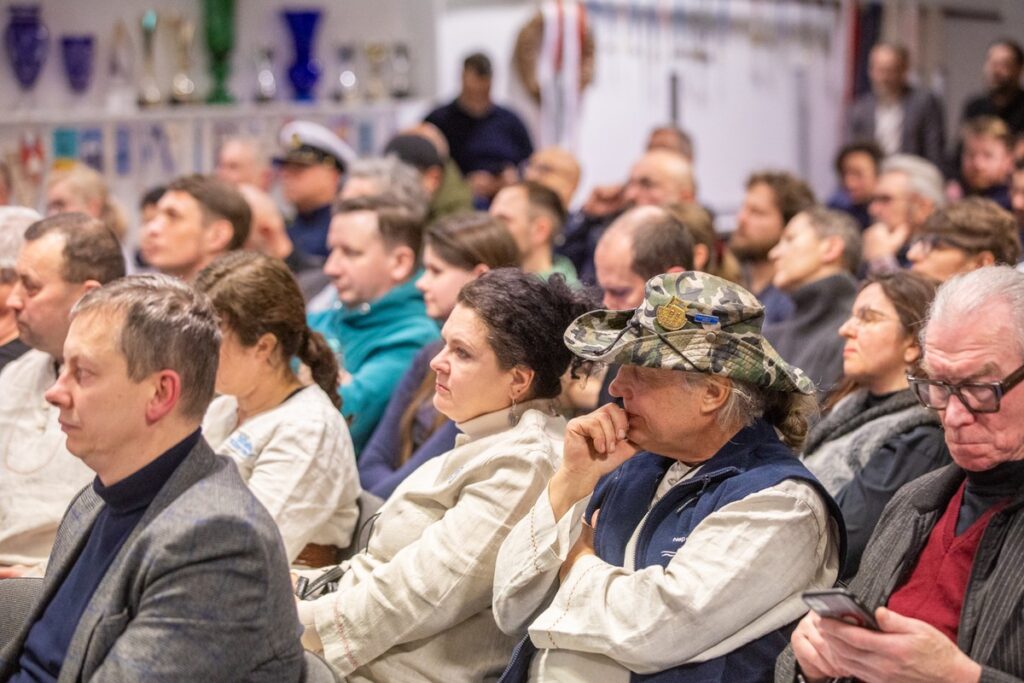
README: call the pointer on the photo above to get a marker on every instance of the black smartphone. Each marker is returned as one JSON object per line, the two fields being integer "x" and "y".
{"x": 839, "y": 603}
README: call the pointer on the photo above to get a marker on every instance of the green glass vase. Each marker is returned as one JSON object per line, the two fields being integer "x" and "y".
{"x": 220, "y": 40}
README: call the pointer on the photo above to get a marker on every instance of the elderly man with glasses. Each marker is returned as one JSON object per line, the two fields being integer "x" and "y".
{"x": 678, "y": 534}
{"x": 942, "y": 570}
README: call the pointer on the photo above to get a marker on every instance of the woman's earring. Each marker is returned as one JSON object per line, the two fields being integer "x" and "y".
{"x": 513, "y": 417}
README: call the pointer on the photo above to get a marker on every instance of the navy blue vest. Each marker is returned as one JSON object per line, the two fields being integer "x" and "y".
{"x": 752, "y": 461}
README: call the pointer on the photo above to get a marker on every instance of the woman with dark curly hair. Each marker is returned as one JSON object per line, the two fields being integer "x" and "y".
{"x": 415, "y": 604}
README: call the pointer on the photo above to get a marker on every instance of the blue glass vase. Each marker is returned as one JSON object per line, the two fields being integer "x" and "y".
{"x": 27, "y": 41}
{"x": 79, "y": 55}
{"x": 305, "y": 71}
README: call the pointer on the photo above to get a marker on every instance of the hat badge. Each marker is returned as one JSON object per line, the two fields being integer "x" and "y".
{"x": 671, "y": 316}
{"x": 296, "y": 141}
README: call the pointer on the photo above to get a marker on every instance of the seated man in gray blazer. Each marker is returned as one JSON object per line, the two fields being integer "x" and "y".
{"x": 165, "y": 568}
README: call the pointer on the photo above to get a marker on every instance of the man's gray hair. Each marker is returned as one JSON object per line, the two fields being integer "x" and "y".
{"x": 962, "y": 297}
{"x": 924, "y": 178}
{"x": 789, "y": 412}
{"x": 393, "y": 177}
{"x": 829, "y": 223}
{"x": 165, "y": 325}
{"x": 14, "y": 220}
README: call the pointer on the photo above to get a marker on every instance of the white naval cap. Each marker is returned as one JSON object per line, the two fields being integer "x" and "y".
{"x": 308, "y": 143}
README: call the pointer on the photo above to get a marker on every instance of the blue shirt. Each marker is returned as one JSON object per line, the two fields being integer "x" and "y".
{"x": 487, "y": 143}
{"x": 308, "y": 231}
{"x": 126, "y": 502}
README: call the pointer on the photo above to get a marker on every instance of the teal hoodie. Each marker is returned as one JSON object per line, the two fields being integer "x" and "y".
{"x": 375, "y": 343}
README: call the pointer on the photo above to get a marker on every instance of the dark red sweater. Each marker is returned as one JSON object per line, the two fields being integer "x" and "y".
{"x": 934, "y": 591}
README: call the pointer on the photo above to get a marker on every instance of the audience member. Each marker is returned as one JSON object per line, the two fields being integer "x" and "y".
{"x": 534, "y": 215}
{"x": 148, "y": 203}
{"x": 970, "y": 234}
{"x": 487, "y": 140}
{"x": 909, "y": 189}
{"x": 13, "y": 222}
{"x": 556, "y": 168}
{"x": 386, "y": 175}
{"x": 771, "y": 201}
{"x": 987, "y": 160}
{"x": 815, "y": 262}
{"x": 875, "y": 437}
{"x": 416, "y": 603}
{"x": 639, "y": 244}
{"x": 267, "y": 235}
{"x": 857, "y": 166}
{"x": 199, "y": 217}
{"x": 418, "y": 152}
{"x": 901, "y": 118}
{"x": 673, "y": 139}
{"x": 710, "y": 254}
{"x": 1004, "y": 96}
{"x": 81, "y": 188}
{"x": 456, "y": 250}
{"x": 670, "y": 578}
{"x": 290, "y": 442}
{"x": 244, "y": 161}
{"x": 62, "y": 258}
{"x": 379, "y": 322}
{"x": 944, "y": 558}
{"x": 310, "y": 166}
{"x": 659, "y": 177}
{"x": 454, "y": 194}
{"x": 167, "y": 566}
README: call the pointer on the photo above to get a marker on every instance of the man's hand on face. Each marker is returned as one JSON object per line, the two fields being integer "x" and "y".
{"x": 882, "y": 241}
{"x": 604, "y": 200}
{"x": 906, "y": 650}
{"x": 595, "y": 444}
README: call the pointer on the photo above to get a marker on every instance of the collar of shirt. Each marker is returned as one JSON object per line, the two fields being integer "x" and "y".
{"x": 491, "y": 423}
{"x": 139, "y": 489}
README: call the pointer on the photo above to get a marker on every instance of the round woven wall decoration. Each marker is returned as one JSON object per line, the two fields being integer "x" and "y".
{"x": 527, "y": 51}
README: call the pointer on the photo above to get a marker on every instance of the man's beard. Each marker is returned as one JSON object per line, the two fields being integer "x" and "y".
{"x": 748, "y": 251}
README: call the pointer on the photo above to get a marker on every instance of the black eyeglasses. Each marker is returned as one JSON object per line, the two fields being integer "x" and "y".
{"x": 926, "y": 243}
{"x": 976, "y": 397}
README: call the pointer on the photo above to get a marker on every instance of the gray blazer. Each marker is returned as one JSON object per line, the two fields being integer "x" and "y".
{"x": 924, "y": 124}
{"x": 991, "y": 629}
{"x": 198, "y": 592}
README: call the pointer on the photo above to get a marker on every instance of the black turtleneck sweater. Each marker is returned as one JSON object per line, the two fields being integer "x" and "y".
{"x": 125, "y": 503}
{"x": 810, "y": 338}
{"x": 985, "y": 489}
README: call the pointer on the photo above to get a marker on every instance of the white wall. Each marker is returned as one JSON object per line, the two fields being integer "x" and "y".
{"x": 741, "y": 105}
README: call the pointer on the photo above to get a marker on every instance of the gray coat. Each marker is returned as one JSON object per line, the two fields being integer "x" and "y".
{"x": 198, "y": 592}
{"x": 991, "y": 628}
{"x": 924, "y": 127}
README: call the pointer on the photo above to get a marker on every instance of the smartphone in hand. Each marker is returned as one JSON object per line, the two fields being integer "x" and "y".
{"x": 839, "y": 603}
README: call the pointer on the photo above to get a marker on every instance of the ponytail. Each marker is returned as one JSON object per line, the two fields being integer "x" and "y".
{"x": 323, "y": 366}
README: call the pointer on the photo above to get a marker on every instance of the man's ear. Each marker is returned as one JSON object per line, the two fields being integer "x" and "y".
{"x": 701, "y": 257}
{"x": 985, "y": 258}
{"x": 479, "y": 269}
{"x": 165, "y": 397}
{"x": 832, "y": 248}
{"x": 219, "y": 234}
{"x": 716, "y": 393}
{"x": 541, "y": 231}
{"x": 90, "y": 285}
{"x": 401, "y": 263}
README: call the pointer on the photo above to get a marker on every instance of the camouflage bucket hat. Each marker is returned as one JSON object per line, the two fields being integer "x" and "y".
{"x": 689, "y": 321}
